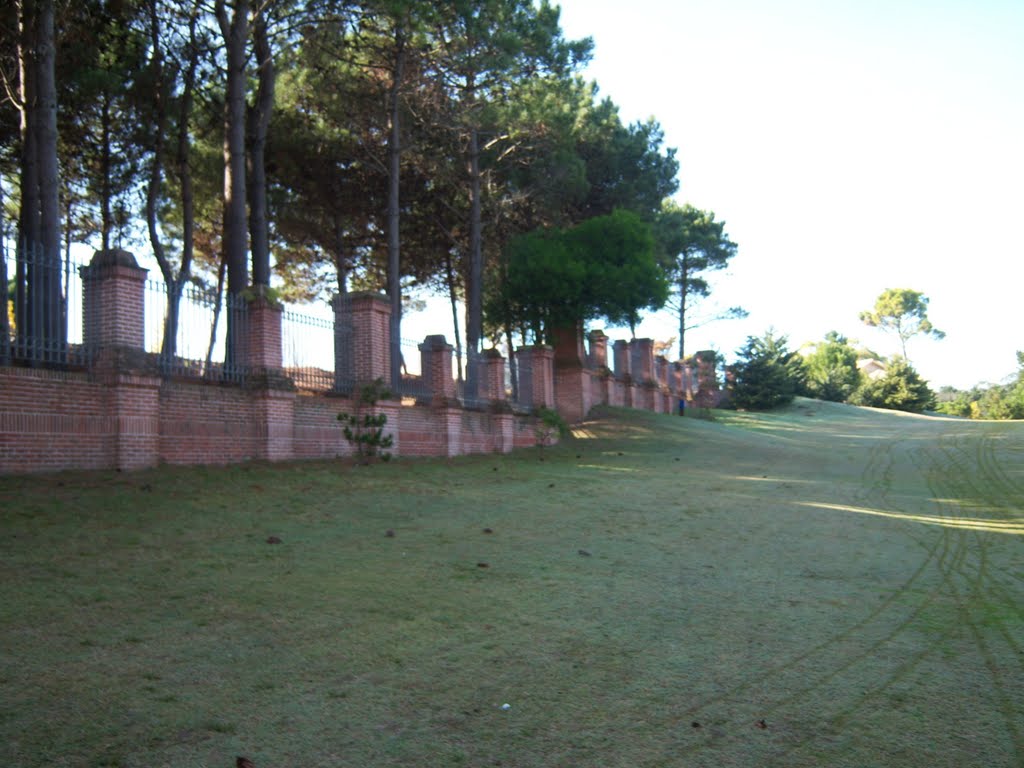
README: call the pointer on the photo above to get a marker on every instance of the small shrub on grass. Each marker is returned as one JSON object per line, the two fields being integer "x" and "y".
{"x": 364, "y": 429}
{"x": 549, "y": 426}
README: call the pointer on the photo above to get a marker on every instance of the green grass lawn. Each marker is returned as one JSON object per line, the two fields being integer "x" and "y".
{"x": 642, "y": 597}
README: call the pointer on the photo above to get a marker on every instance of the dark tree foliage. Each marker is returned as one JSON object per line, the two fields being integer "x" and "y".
{"x": 604, "y": 267}
{"x": 767, "y": 375}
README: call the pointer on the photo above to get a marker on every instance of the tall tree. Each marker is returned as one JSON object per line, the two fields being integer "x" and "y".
{"x": 692, "y": 244}
{"x": 40, "y": 320}
{"x": 392, "y": 36}
{"x": 483, "y": 47}
{"x": 106, "y": 69}
{"x": 903, "y": 312}
{"x": 168, "y": 111}
{"x": 256, "y": 126}
{"x": 233, "y": 20}
{"x": 327, "y": 178}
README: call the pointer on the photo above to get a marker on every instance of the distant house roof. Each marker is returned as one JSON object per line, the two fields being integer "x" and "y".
{"x": 873, "y": 369}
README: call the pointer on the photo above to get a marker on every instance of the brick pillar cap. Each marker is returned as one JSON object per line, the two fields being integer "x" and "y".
{"x": 114, "y": 257}
{"x": 435, "y": 342}
{"x": 367, "y": 295}
{"x": 536, "y": 348}
{"x": 492, "y": 353}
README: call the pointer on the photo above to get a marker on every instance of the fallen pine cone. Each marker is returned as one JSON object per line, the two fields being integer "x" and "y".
{"x": 761, "y": 724}
{"x": 273, "y": 540}
{"x": 244, "y": 762}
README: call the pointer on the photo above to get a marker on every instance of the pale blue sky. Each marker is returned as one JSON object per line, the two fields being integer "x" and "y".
{"x": 850, "y": 147}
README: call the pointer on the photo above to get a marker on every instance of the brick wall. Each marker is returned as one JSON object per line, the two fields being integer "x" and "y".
{"x": 206, "y": 424}
{"x": 122, "y": 414}
{"x": 53, "y": 420}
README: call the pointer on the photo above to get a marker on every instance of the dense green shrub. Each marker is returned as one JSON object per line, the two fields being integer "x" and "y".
{"x": 900, "y": 389}
{"x": 767, "y": 375}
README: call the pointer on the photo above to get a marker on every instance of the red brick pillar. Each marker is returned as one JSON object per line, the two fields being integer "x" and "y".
{"x": 675, "y": 380}
{"x": 263, "y": 337}
{"x": 371, "y": 340}
{"x": 642, "y": 362}
{"x": 689, "y": 377}
{"x": 436, "y": 368}
{"x": 620, "y": 392}
{"x": 573, "y": 397}
{"x": 274, "y": 413}
{"x": 598, "y": 358}
{"x": 620, "y": 351}
{"x": 113, "y": 331}
{"x": 272, "y": 393}
{"x": 113, "y": 301}
{"x": 641, "y": 353}
{"x": 344, "y": 375}
{"x": 492, "y": 378}
{"x": 661, "y": 376}
{"x": 597, "y": 362}
{"x": 708, "y": 392}
{"x": 536, "y": 376}
{"x": 133, "y": 402}
{"x": 504, "y": 432}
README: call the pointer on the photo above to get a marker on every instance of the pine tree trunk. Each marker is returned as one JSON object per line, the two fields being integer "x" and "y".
{"x": 235, "y": 232}
{"x": 474, "y": 288}
{"x": 28, "y": 217}
{"x": 259, "y": 122}
{"x": 682, "y": 317}
{"x": 5, "y": 326}
{"x": 44, "y": 312}
{"x": 393, "y": 221}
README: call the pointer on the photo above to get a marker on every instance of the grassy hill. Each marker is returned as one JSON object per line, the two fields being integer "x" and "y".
{"x": 824, "y": 585}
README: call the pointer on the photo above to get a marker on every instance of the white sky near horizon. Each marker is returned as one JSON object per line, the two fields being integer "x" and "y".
{"x": 850, "y": 147}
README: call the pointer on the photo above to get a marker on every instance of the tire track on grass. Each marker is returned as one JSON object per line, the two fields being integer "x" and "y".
{"x": 950, "y": 570}
{"x": 959, "y": 556}
{"x": 877, "y": 480}
{"x": 983, "y": 480}
{"x": 979, "y": 484}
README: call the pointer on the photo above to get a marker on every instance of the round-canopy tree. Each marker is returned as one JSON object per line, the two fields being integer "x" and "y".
{"x": 903, "y": 312}
{"x": 604, "y": 267}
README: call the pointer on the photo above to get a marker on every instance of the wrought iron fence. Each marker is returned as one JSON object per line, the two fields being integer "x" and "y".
{"x": 309, "y": 344}
{"x": 410, "y": 376}
{"x": 189, "y": 330}
{"x": 42, "y": 318}
{"x": 195, "y": 332}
